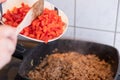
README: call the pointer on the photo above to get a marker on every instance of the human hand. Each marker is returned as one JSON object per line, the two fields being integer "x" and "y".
{"x": 8, "y": 40}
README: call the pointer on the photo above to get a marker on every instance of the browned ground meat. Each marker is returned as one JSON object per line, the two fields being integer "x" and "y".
{"x": 71, "y": 66}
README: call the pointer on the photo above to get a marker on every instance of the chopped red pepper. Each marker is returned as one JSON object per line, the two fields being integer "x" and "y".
{"x": 45, "y": 27}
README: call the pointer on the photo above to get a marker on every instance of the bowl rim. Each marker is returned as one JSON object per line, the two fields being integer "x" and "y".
{"x": 60, "y": 13}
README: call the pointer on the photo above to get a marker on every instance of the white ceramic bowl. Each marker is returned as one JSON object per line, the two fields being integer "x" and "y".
{"x": 9, "y": 4}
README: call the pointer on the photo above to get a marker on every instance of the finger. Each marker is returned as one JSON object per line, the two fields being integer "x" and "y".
{"x": 4, "y": 59}
{"x": 6, "y": 50}
{"x": 8, "y": 32}
{"x": 7, "y": 46}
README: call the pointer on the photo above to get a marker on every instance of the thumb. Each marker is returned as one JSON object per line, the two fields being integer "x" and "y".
{"x": 8, "y": 32}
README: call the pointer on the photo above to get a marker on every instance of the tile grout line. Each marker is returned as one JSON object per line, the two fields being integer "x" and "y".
{"x": 95, "y": 29}
{"x": 74, "y": 19}
{"x": 116, "y": 24}
{"x": 118, "y": 32}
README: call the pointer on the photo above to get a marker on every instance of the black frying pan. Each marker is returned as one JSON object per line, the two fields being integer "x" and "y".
{"x": 108, "y": 53}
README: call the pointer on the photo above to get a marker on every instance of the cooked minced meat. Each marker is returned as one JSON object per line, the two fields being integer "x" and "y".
{"x": 71, "y": 66}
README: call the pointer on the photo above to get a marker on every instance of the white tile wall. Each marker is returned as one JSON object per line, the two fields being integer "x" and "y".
{"x": 118, "y": 25}
{"x": 117, "y": 43}
{"x": 67, "y": 6}
{"x": 69, "y": 34}
{"x": 93, "y": 20}
{"x": 118, "y": 28}
{"x": 96, "y": 14}
{"x": 95, "y": 36}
